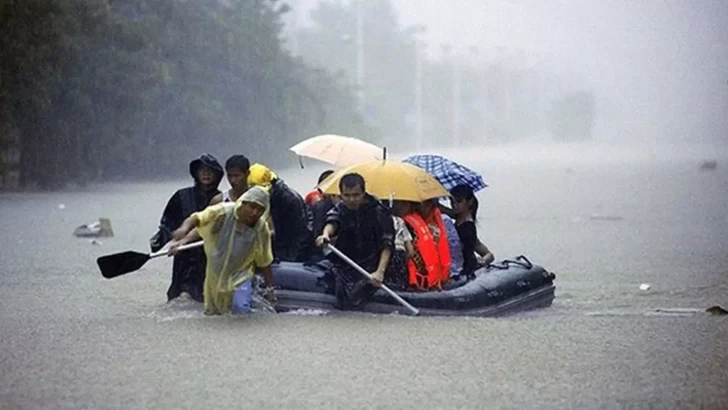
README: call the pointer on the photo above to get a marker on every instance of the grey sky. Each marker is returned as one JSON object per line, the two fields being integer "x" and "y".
{"x": 659, "y": 67}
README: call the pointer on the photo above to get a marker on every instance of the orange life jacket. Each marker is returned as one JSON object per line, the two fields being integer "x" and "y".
{"x": 436, "y": 256}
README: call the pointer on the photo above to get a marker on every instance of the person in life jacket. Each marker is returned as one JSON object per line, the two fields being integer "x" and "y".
{"x": 188, "y": 268}
{"x": 237, "y": 169}
{"x": 430, "y": 241}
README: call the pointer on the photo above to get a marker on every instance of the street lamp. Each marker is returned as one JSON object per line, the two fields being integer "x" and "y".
{"x": 447, "y": 54}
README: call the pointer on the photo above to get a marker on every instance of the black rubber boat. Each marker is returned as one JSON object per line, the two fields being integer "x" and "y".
{"x": 511, "y": 286}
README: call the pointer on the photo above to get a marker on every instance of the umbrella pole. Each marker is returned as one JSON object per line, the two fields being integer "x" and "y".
{"x": 361, "y": 270}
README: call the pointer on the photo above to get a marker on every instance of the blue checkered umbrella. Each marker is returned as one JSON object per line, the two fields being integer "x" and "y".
{"x": 449, "y": 173}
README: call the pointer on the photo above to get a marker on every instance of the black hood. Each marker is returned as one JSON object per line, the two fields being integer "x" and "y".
{"x": 210, "y": 161}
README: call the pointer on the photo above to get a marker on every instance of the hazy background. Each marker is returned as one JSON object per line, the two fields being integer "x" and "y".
{"x": 589, "y": 121}
{"x": 659, "y": 69}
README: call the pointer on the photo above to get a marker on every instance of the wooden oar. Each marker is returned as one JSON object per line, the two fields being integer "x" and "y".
{"x": 124, "y": 262}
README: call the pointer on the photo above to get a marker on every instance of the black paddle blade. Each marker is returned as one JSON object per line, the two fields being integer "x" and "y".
{"x": 120, "y": 263}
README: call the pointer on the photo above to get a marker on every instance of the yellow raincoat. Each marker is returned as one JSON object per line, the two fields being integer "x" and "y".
{"x": 233, "y": 250}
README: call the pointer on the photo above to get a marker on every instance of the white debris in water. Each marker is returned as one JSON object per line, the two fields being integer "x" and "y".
{"x": 645, "y": 287}
{"x": 176, "y": 315}
{"x": 307, "y": 312}
{"x": 61, "y": 206}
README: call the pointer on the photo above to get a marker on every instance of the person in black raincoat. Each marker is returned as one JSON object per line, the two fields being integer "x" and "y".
{"x": 319, "y": 211}
{"x": 188, "y": 268}
{"x": 290, "y": 216}
{"x": 363, "y": 230}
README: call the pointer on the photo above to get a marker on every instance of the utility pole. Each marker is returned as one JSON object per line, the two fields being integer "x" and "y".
{"x": 419, "y": 126}
{"x": 360, "y": 55}
{"x": 456, "y": 80}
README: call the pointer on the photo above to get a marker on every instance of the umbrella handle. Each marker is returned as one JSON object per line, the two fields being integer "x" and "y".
{"x": 384, "y": 287}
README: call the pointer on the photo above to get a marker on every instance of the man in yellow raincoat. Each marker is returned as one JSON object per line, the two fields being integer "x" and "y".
{"x": 237, "y": 241}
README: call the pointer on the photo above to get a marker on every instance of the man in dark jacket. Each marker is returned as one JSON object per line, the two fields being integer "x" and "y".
{"x": 363, "y": 231}
{"x": 188, "y": 269}
{"x": 290, "y": 216}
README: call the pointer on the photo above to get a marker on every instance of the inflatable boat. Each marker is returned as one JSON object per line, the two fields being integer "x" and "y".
{"x": 510, "y": 286}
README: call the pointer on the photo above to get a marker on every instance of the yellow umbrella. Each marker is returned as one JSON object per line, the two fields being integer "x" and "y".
{"x": 337, "y": 150}
{"x": 390, "y": 179}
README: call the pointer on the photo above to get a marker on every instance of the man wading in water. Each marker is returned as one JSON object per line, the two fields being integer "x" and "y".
{"x": 188, "y": 269}
{"x": 237, "y": 242}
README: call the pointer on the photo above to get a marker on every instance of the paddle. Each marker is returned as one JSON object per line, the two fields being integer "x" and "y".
{"x": 120, "y": 263}
{"x": 361, "y": 270}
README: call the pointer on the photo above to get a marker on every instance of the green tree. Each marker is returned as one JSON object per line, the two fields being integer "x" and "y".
{"x": 100, "y": 89}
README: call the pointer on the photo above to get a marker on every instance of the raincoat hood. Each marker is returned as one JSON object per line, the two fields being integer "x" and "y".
{"x": 256, "y": 195}
{"x": 260, "y": 175}
{"x": 210, "y": 161}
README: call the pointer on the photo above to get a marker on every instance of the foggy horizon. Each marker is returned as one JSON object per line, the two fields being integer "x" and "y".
{"x": 659, "y": 70}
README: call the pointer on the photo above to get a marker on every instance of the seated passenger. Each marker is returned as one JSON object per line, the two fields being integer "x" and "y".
{"x": 317, "y": 195}
{"x": 321, "y": 207}
{"x": 290, "y": 218}
{"x": 430, "y": 241}
{"x": 318, "y": 213}
{"x": 363, "y": 230}
{"x": 453, "y": 240}
{"x": 465, "y": 208}
{"x": 398, "y": 272}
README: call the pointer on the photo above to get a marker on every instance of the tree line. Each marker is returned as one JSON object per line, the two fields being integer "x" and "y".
{"x": 102, "y": 89}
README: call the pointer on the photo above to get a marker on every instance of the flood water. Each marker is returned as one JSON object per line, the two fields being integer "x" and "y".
{"x": 604, "y": 226}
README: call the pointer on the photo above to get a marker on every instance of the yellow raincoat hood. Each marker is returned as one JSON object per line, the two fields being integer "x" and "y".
{"x": 256, "y": 195}
{"x": 260, "y": 175}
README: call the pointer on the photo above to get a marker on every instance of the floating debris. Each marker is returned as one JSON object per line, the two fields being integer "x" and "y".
{"x": 100, "y": 228}
{"x": 595, "y": 217}
{"x": 61, "y": 206}
{"x": 645, "y": 287}
{"x": 708, "y": 165}
{"x": 713, "y": 310}
{"x": 716, "y": 310}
